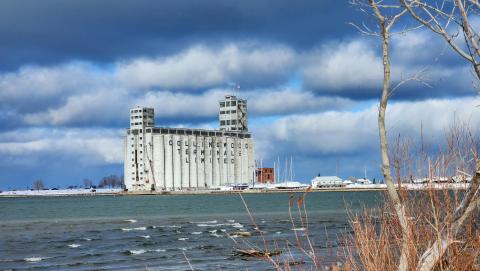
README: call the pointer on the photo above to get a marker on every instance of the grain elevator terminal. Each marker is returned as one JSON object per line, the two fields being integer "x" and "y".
{"x": 166, "y": 159}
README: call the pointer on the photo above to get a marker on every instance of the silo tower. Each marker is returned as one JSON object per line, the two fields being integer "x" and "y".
{"x": 233, "y": 114}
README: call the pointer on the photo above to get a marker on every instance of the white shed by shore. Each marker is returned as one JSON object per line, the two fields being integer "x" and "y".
{"x": 326, "y": 181}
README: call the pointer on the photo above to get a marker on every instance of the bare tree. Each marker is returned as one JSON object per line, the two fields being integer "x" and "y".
{"x": 111, "y": 181}
{"x": 38, "y": 185}
{"x": 87, "y": 183}
{"x": 385, "y": 23}
{"x": 452, "y": 21}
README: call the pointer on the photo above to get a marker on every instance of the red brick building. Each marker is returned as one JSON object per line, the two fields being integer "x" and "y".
{"x": 265, "y": 175}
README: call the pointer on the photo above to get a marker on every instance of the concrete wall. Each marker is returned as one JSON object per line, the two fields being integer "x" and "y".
{"x": 186, "y": 161}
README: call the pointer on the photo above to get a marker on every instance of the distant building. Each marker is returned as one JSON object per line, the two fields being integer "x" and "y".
{"x": 160, "y": 158}
{"x": 265, "y": 175}
{"x": 326, "y": 181}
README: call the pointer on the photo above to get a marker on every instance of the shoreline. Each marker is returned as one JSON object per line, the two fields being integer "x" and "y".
{"x": 119, "y": 192}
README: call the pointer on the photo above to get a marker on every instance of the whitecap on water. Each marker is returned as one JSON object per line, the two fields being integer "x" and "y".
{"x": 183, "y": 239}
{"x": 213, "y": 231}
{"x": 169, "y": 226}
{"x": 206, "y": 222}
{"x": 145, "y": 236}
{"x": 298, "y": 229}
{"x": 131, "y": 220}
{"x": 87, "y": 239}
{"x": 159, "y": 250}
{"x": 231, "y": 221}
{"x": 237, "y": 225}
{"x": 34, "y": 259}
{"x": 216, "y": 235}
{"x": 73, "y": 245}
{"x": 196, "y": 232}
{"x": 136, "y": 252}
{"x": 223, "y": 230}
{"x": 278, "y": 232}
{"x": 135, "y": 229}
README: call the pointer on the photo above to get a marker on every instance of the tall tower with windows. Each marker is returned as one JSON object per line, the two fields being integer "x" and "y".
{"x": 233, "y": 114}
{"x": 141, "y": 117}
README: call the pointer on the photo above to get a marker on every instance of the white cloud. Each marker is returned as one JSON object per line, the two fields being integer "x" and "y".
{"x": 87, "y": 146}
{"x": 348, "y": 133}
{"x": 353, "y": 64}
{"x": 171, "y": 104}
{"x": 200, "y": 67}
{"x": 93, "y": 108}
{"x": 103, "y": 106}
{"x": 354, "y": 68}
{"x": 286, "y": 100}
{"x": 81, "y": 94}
{"x": 33, "y": 82}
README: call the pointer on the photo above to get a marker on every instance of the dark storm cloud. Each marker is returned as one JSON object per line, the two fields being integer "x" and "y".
{"x": 46, "y": 32}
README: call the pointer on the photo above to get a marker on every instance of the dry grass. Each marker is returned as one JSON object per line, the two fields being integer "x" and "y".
{"x": 375, "y": 243}
{"x": 376, "y": 239}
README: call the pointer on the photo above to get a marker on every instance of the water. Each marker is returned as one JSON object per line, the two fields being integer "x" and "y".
{"x": 160, "y": 232}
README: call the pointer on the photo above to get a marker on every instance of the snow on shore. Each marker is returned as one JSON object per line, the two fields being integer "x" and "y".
{"x": 113, "y": 191}
{"x": 412, "y": 186}
{"x": 61, "y": 192}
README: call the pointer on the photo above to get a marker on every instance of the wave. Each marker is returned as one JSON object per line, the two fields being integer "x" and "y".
{"x": 87, "y": 239}
{"x": 74, "y": 245}
{"x": 35, "y": 259}
{"x": 135, "y": 252}
{"x": 135, "y": 229}
{"x": 233, "y": 224}
{"x": 196, "y": 233}
{"x": 298, "y": 229}
{"x": 168, "y": 226}
{"x": 145, "y": 236}
{"x": 206, "y": 222}
{"x": 159, "y": 250}
{"x": 131, "y": 220}
{"x": 237, "y": 225}
{"x": 183, "y": 239}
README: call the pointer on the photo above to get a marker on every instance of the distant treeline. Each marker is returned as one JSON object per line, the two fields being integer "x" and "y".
{"x": 111, "y": 181}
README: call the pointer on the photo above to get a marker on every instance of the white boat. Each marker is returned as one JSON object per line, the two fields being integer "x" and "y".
{"x": 291, "y": 185}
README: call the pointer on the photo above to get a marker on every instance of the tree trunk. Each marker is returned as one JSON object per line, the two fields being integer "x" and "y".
{"x": 399, "y": 208}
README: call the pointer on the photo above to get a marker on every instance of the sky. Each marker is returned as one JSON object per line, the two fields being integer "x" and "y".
{"x": 70, "y": 71}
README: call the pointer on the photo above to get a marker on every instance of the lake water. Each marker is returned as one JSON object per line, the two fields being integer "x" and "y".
{"x": 158, "y": 232}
